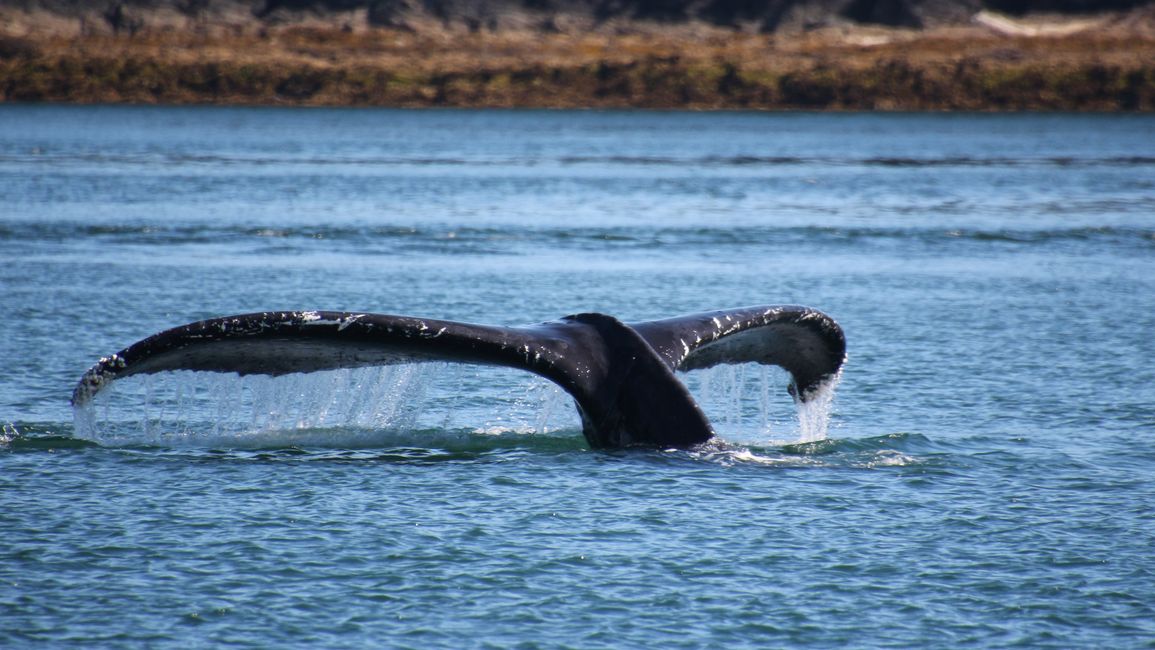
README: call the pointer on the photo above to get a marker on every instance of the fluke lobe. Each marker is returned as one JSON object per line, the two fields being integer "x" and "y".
{"x": 621, "y": 375}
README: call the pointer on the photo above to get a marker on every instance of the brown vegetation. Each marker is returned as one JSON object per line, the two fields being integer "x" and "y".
{"x": 964, "y": 68}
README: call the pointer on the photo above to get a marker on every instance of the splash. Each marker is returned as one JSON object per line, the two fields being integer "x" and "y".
{"x": 413, "y": 405}
{"x": 814, "y": 414}
{"x": 408, "y": 404}
{"x": 748, "y": 404}
{"x": 8, "y": 433}
{"x": 182, "y": 408}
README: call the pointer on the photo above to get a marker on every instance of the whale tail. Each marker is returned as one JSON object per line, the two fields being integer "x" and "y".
{"x": 620, "y": 375}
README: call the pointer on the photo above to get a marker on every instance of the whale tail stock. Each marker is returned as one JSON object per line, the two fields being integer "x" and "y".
{"x": 620, "y": 375}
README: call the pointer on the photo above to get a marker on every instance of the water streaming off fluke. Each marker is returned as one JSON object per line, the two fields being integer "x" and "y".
{"x": 411, "y": 404}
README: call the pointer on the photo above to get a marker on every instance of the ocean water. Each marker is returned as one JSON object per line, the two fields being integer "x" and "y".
{"x": 984, "y": 476}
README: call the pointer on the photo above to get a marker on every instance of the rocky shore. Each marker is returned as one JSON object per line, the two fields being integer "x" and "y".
{"x": 811, "y": 54}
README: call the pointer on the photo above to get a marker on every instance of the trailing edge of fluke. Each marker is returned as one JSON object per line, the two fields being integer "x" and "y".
{"x": 621, "y": 375}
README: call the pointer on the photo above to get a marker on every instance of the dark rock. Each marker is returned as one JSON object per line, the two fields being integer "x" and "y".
{"x": 893, "y": 13}
{"x": 122, "y": 20}
{"x": 126, "y": 16}
{"x": 12, "y": 47}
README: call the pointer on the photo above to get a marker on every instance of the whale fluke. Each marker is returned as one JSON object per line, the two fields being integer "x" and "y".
{"x": 804, "y": 341}
{"x": 620, "y": 375}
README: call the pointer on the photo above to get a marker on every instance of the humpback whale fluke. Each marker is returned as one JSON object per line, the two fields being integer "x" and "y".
{"x": 621, "y": 375}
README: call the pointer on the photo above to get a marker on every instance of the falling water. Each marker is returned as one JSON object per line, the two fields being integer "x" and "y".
{"x": 414, "y": 403}
{"x": 205, "y": 409}
{"x": 749, "y": 404}
{"x": 349, "y": 407}
{"x": 814, "y": 414}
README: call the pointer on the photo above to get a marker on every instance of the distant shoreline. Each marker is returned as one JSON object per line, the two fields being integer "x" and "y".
{"x": 865, "y": 69}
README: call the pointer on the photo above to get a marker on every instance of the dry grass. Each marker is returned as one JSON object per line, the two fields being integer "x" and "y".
{"x": 960, "y": 68}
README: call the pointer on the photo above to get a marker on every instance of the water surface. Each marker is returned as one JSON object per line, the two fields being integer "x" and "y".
{"x": 985, "y": 479}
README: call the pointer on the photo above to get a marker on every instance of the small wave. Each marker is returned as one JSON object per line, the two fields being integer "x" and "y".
{"x": 903, "y": 442}
{"x": 394, "y": 447}
{"x": 879, "y": 452}
{"x": 267, "y": 159}
{"x": 393, "y": 239}
{"x": 21, "y": 436}
{"x": 749, "y": 160}
{"x": 743, "y": 160}
{"x": 1054, "y": 161}
{"x": 8, "y": 433}
{"x": 180, "y": 159}
{"x": 363, "y": 444}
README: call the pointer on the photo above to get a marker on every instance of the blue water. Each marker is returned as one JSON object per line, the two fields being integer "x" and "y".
{"x": 985, "y": 478}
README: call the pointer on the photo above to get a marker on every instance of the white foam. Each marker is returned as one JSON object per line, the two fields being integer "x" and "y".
{"x": 8, "y": 433}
